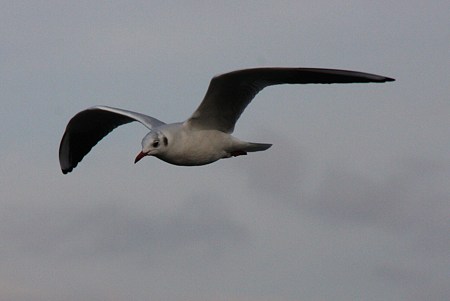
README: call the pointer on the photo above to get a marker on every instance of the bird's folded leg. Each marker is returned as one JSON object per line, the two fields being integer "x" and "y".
{"x": 238, "y": 153}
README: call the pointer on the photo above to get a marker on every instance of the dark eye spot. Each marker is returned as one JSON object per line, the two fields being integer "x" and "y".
{"x": 165, "y": 141}
{"x": 155, "y": 144}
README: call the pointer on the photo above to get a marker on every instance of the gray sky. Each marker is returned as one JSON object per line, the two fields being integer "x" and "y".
{"x": 351, "y": 203}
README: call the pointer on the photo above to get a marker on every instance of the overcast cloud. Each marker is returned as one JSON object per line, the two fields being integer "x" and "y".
{"x": 351, "y": 203}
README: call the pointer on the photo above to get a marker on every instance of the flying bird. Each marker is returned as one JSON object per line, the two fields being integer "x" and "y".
{"x": 205, "y": 136}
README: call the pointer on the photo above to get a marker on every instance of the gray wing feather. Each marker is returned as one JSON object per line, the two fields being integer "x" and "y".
{"x": 230, "y": 93}
{"x": 88, "y": 127}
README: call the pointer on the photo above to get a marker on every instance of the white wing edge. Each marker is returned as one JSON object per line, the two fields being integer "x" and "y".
{"x": 146, "y": 120}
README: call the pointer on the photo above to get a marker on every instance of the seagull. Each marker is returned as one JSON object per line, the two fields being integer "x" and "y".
{"x": 205, "y": 136}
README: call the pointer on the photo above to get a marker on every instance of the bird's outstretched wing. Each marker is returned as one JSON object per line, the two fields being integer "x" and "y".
{"x": 88, "y": 127}
{"x": 230, "y": 93}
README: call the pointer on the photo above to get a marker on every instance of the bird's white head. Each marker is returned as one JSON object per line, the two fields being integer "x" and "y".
{"x": 153, "y": 143}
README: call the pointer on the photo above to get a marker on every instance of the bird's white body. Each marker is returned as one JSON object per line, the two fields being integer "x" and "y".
{"x": 204, "y": 137}
{"x": 190, "y": 147}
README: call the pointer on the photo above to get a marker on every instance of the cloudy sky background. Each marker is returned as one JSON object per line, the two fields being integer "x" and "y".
{"x": 351, "y": 203}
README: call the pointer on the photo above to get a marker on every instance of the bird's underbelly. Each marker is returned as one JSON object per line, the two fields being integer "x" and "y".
{"x": 190, "y": 159}
{"x": 199, "y": 148}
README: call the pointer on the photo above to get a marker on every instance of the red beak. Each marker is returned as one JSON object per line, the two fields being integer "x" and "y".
{"x": 139, "y": 157}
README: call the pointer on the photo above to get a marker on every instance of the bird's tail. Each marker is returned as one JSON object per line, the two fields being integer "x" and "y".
{"x": 256, "y": 147}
